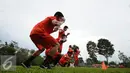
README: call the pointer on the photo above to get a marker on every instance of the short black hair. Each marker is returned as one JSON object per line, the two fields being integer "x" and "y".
{"x": 75, "y": 50}
{"x": 63, "y": 35}
{"x": 65, "y": 26}
{"x": 59, "y": 14}
{"x": 70, "y": 46}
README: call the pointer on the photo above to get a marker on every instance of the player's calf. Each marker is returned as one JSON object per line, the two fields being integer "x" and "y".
{"x": 27, "y": 63}
{"x": 46, "y": 63}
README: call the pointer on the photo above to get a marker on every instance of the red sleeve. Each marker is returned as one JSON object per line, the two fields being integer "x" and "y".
{"x": 60, "y": 30}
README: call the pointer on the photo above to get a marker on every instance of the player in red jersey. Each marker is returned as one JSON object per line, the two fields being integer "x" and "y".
{"x": 65, "y": 59}
{"x": 40, "y": 36}
{"x": 57, "y": 56}
{"x": 62, "y": 31}
{"x": 76, "y": 54}
{"x": 70, "y": 48}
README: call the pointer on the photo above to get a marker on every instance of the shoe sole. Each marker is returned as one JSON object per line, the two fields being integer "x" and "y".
{"x": 43, "y": 67}
{"x": 24, "y": 65}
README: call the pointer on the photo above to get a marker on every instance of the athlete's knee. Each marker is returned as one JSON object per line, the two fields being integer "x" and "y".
{"x": 57, "y": 45}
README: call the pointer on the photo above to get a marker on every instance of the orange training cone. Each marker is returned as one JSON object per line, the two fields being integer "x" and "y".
{"x": 104, "y": 67}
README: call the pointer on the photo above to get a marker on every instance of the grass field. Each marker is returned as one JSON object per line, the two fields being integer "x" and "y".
{"x": 36, "y": 69}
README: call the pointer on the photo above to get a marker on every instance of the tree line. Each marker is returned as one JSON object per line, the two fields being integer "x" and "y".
{"x": 12, "y": 48}
{"x": 105, "y": 48}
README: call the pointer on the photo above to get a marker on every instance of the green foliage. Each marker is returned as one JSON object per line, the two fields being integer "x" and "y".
{"x": 128, "y": 64}
{"x": 6, "y": 49}
{"x": 125, "y": 60}
{"x": 92, "y": 50}
{"x": 37, "y": 61}
{"x": 123, "y": 57}
{"x": 89, "y": 61}
{"x": 112, "y": 63}
{"x": 105, "y": 48}
{"x": 22, "y": 54}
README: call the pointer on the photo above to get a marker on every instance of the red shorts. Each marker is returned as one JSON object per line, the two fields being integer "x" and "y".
{"x": 43, "y": 40}
{"x": 76, "y": 58}
{"x": 55, "y": 56}
{"x": 57, "y": 53}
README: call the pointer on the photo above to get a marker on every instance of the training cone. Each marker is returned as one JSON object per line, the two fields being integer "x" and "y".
{"x": 104, "y": 67}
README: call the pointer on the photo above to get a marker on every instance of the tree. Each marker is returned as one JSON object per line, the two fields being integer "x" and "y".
{"x": 125, "y": 60}
{"x": 14, "y": 44}
{"x": 112, "y": 63}
{"x": 12, "y": 48}
{"x": 5, "y": 49}
{"x": 8, "y": 48}
{"x": 105, "y": 48}
{"x": 89, "y": 61}
{"x": 1, "y": 44}
{"x": 123, "y": 57}
{"x": 81, "y": 62}
{"x": 91, "y": 48}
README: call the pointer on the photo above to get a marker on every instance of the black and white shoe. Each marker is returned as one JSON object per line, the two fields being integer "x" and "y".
{"x": 42, "y": 66}
{"x": 45, "y": 67}
{"x": 49, "y": 67}
{"x": 26, "y": 65}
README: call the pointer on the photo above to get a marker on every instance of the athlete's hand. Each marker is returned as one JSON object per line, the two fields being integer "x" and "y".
{"x": 56, "y": 28}
{"x": 68, "y": 34}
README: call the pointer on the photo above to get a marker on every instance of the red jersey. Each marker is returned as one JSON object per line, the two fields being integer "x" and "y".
{"x": 65, "y": 58}
{"x": 76, "y": 54}
{"x": 61, "y": 32}
{"x": 44, "y": 26}
{"x": 70, "y": 50}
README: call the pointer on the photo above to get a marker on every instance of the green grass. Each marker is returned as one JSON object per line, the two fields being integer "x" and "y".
{"x": 36, "y": 69}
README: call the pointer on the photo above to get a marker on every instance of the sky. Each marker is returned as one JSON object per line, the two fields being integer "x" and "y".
{"x": 88, "y": 20}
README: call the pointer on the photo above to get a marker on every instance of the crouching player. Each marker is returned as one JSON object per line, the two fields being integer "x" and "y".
{"x": 65, "y": 59}
{"x": 57, "y": 56}
{"x": 40, "y": 36}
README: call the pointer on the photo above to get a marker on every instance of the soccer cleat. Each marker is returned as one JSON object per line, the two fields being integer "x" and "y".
{"x": 49, "y": 67}
{"x": 42, "y": 66}
{"x": 26, "y": 65}
{"x": 45, "y": 67}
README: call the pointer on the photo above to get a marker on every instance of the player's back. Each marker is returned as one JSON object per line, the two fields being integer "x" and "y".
{"x": 44, "y": 26}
